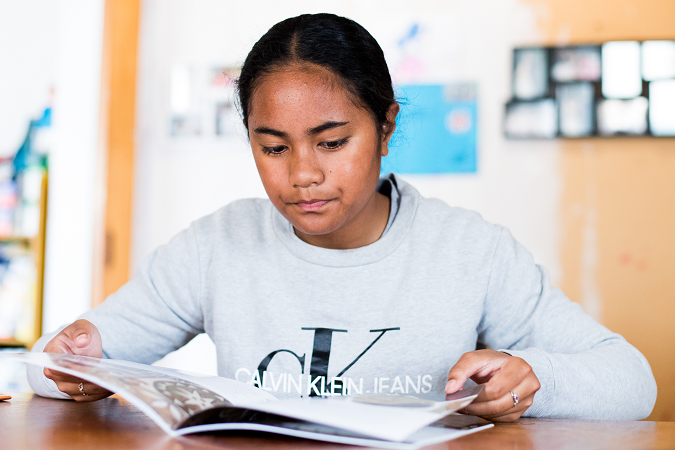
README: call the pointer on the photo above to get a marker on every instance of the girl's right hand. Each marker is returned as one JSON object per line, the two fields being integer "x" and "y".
{"x": 79, "y": 338}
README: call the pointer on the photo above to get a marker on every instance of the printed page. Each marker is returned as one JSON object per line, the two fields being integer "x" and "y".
{"x": 393, "y": 418}
{"x": 429, "y": 435}
{"x": 433, "y": 434}
{"x": 170, "y": 398}
{"x": 167, "y": 399}
{"x": 234, "y": 391}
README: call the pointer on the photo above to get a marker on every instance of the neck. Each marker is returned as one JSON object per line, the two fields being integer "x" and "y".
{"x": 365, "y": 229}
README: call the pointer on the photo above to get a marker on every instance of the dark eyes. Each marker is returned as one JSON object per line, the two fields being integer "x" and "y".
{"x": 274, "y": 150}
{"x": 330, "y": 145}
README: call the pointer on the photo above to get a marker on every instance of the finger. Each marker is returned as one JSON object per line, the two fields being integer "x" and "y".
{"x": 79, "y": 338}
{"x": 512, "y": 417}
{"x": 62, "y": 377}
{"x": 497, "y": 408}
{"x": 512, "y": 413}
{"x": 84, "y": 337}
{"x": 481, "y": 364}
{"x": 91, "y": 398}
{"x": 511, "y": 376}
{"x": 77, "y": 328}
{"x": 505, "y": 404}
{"x": 73, "y": 389}
{"x": 508, "y": 416}
{"x": 467, "y": 365}
{"x": 58, "y": 345}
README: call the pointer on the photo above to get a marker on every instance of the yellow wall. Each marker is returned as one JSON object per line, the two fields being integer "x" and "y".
{"x": 118, "y": 98}
{"x": 619, "y": 198}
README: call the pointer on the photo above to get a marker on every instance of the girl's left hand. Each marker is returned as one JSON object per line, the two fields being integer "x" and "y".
{"x": 501, "y": 374}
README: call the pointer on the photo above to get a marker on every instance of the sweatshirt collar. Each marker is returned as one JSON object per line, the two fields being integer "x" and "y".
{"x": 407, "y": 199}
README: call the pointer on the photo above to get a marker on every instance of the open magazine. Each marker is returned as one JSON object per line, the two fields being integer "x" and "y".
{"x": 182, "y": 403}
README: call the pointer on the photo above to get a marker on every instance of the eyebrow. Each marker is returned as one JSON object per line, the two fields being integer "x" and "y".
{"x": 312, "y": 131}
{"x": 325, "y": 126}
{"x": 271, "y": 131}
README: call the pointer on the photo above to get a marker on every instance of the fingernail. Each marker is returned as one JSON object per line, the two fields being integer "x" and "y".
{"x": 81, "y": 339}
{"x": 449, "y": 388}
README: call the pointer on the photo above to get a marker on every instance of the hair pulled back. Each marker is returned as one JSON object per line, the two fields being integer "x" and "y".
{"x": 335, "y": 43}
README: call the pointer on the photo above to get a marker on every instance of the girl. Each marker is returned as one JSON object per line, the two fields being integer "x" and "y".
{"x": 345, "y": 283}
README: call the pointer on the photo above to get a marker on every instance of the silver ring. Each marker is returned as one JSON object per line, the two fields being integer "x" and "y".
{"x": 515, "y": 397}
{"x": 81, "y": 387}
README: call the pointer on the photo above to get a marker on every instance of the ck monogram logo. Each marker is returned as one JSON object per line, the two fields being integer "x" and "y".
{"x": 318, "y": 369}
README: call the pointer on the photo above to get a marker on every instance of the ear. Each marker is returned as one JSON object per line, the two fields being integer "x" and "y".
{"x": 389, "y": 127}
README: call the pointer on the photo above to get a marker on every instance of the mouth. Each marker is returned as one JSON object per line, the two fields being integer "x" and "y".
{"x": 312, "y": 205}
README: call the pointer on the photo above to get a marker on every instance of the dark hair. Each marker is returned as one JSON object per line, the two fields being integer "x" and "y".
{"x": 335, "y": 43}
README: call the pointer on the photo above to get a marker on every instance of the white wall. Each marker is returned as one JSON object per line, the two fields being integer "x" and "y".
{"x": 73, "y": 162}
{"x": 178, "y": 181}
{"x": 44, "y": 44}
{"x": 58, "y": 42}
{"x": 517, "y": 183}
{"x": 27, "y": 66}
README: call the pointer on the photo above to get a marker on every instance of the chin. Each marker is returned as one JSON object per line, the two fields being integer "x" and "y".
{"x": 314, "y": 231}
{"x": 314, "y": 227}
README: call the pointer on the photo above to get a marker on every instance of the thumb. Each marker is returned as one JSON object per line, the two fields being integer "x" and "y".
{"x": 456, "y": 379}
{"x": 470, "y": 364}
{"x": 82, "y": 340}
{"x": 85, "y": 338}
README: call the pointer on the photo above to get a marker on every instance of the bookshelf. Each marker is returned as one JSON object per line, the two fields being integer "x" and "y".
{"x": 30, "y": 328}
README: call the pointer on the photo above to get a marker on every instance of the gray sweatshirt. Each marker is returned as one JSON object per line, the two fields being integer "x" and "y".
{"x": 391, "y": 317}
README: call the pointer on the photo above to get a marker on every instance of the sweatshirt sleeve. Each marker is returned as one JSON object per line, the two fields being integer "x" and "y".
{"x": 160, "y": 307}
{"x": 585, "y": 370}
{"x": 40, "y": 384}
{"x": 155, "y": 313}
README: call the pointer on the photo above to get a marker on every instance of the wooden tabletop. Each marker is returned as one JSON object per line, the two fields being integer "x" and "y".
{"x": 32, "y": 422}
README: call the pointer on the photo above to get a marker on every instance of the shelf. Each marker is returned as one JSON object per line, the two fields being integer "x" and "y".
{"x": 30, "y": 332}
{"x": 11, "y": 343}
{"x": 16, "y": 240}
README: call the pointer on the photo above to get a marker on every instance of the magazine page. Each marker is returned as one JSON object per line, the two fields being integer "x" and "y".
{"x": 234, "y": 391}
{"x": 170, "y": 399}
{"x": 167, "y": 399}
{"x": 393, "y": 418}
{"x": 450, "y": 427}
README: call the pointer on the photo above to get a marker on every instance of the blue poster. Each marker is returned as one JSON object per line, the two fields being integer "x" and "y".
{"x": 435, "y": 130}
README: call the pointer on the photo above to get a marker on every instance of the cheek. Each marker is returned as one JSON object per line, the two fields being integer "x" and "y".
{"x": 272, "y": 175}
{"x": 360, "y": 168}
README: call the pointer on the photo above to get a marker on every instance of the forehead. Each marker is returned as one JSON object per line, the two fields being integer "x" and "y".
{"x": 301, "y": 94}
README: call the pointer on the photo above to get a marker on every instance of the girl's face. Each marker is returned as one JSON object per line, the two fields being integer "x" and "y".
{"x": 318, "y": 154}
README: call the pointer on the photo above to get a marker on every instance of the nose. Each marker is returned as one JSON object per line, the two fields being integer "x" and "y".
{"x": 304, "y": 168}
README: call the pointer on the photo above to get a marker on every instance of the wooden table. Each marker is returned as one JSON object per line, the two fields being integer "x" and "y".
{"x": 32, "y": 422}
